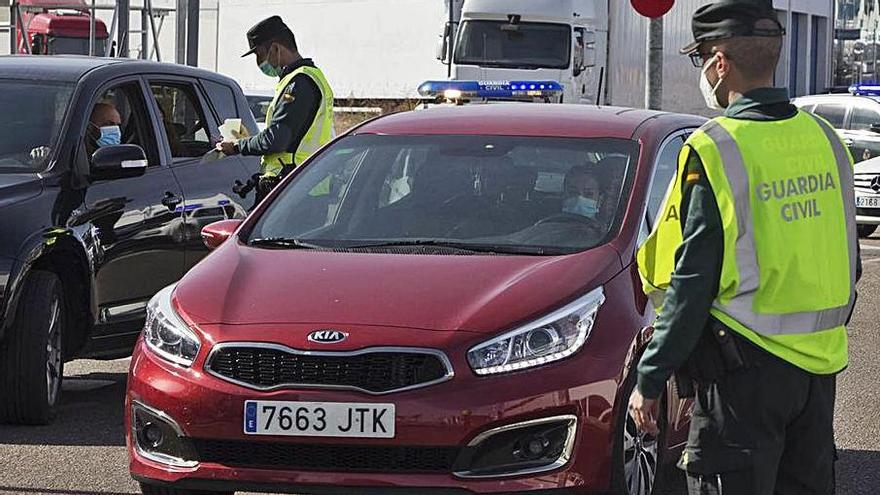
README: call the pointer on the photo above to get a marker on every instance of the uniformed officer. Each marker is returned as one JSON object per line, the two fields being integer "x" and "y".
{"x": 752, "y": 266}
{"x": 299, "y": 119}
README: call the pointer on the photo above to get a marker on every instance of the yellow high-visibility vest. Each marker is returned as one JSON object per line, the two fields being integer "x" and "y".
{"x": 785, "y": 195}
{"x": 320, "y": 132}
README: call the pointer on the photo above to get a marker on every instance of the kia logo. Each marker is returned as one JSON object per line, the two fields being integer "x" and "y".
{"x": 327, "y": 336}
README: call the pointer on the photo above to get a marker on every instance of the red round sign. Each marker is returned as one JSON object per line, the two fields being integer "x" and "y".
{"x": 652, "y": 8}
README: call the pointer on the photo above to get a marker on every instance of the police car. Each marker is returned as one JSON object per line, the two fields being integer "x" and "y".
{"x": 856, "y": 116}
{"x": 459, "y": 92}
{"x": 867, "y": 180}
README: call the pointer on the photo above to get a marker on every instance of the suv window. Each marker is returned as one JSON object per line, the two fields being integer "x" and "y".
{"x": 183, "y": 119}
{"x": 863, "y": 118}
{"x": 128, "y": 100}
{"x": 667, "y": 164}
{"x": 222, "y": 98}
{"x": 832, "y": 112}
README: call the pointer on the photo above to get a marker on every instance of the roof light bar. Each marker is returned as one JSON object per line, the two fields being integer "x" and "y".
{"x": 865, "y": 89}
{"x": 516, "y": 90}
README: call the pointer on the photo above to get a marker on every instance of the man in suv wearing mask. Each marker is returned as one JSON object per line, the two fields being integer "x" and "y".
{"x": 759, "y": 272}
{"x": 299, "y": 120}
{"x": 104, "y": 127}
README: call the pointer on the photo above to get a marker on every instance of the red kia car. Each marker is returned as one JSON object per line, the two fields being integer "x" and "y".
{"x": 440, "y": 302}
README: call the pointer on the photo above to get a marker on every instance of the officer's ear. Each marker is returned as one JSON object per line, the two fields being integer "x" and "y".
{"x": 722, "y": 64}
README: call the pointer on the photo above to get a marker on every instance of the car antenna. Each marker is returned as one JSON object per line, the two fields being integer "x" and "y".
{"x": 599, "y": 92}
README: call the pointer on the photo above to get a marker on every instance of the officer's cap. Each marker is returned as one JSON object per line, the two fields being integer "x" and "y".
{"x": 265, "y": 31}
{"x": 732, "y": 18}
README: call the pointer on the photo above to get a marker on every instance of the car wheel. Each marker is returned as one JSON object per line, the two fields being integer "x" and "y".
{"x": 32, "y": 358}
{"x": 158, "y": 490}
{"x": 636, "y": 455}
{"x": 866, "y": 230}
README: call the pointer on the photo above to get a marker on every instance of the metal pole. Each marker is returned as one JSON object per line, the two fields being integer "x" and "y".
{"x": 149, "y": 6}
{"x": 145, "y": 33}
{"x": 109, "y": 45}
{"x": 13, "y": 27}
{"x": 450, "y": 41}
{"x": 192, "y": 33}
{"x": 123, "y": 38}
{"x": 25, "y": 42}
{"x": 180, "y": 56}
{"x": 92, "y": 30}
{"x": 654, "y": 65}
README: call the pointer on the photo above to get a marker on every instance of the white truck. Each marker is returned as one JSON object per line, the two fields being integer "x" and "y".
{"x": 498, "y": 41}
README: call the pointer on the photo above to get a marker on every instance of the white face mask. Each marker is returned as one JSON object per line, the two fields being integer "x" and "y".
{"x": 710, "y": 93}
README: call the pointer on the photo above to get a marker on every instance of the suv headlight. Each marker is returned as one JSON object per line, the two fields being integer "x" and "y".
{"x": 551, "y": 338}
{"x": 166, "y": 333}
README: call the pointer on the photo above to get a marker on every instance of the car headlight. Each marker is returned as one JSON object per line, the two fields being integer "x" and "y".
{"x": 551, "y": 338}
{"x": 166, "y": 333}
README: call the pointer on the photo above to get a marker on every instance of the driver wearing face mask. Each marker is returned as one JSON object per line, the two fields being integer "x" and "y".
{"x": 104, "y": 127}
{"x": 582, "y": 194}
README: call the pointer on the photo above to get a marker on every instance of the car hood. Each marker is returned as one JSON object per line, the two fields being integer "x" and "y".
{"x": 871, "y": 166}
{"x": 238, "y": 284}
{"x": 18, "y": 187}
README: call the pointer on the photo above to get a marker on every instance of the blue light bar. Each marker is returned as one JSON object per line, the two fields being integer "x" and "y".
{"x": 865, "y": 89}
{"x": 457, "y": 90}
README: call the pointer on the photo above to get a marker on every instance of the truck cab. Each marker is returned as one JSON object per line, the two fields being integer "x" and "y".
{"x": 52, "y": 30}
{"x": 528, "y": 40}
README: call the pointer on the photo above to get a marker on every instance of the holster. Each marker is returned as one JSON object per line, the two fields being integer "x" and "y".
{"x": 717, "y": 352}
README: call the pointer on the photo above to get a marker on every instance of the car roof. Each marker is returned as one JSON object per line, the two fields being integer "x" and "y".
{"x": 521, "y": 119}
{"x": 835, "y": 97}
{"x": 74, "y": 67}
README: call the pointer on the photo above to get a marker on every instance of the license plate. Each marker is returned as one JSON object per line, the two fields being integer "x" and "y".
{"x": 319, "y": 419}
{"x": 868, "y": 202}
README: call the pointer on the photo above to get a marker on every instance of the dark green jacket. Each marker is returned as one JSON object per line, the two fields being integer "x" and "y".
{"x": 694, "y": 285}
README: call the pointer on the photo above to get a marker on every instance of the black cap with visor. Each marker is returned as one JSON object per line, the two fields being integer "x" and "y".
{"x": 265, "y": 31}
{"x": 730, "y": 19}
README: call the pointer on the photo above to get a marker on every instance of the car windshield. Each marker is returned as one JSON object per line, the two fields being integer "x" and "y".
{"x": 505, "y": 45}
{"x": 32, "y": 112}
{"x": 76, "y": 46}
{"x": 511, "y": 195}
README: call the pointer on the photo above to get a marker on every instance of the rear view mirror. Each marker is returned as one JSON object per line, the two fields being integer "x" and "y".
{"x": 443, "y": 45}
{"x": 118, "y": 162}
{"x": 214, "y": 234}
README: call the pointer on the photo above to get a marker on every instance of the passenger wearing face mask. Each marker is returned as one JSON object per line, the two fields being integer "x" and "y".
{"x": 104, "y": 128}
{"x": 582, "y": 195}
{"x": 300, "y": 117}
{"x": 752, "y": 268}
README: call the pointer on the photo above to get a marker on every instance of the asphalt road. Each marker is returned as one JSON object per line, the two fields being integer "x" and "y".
{"x": 83, "y": 451}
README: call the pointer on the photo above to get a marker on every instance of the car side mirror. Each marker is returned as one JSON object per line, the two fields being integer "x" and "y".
{"x": 875, "y": 127}
{"x": 442, "y": 49}
{"x": 215, "y": 234}
{"x": 118, "y": 162}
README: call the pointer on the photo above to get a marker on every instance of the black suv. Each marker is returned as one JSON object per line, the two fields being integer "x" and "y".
{"x": 88, "y": 234}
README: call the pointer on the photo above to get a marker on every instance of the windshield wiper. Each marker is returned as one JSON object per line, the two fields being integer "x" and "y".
{"x": 284, "y": 242}
{"x": 463, "y": 246}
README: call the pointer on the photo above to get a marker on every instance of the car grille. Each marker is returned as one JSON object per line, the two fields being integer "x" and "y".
{"x": 318, "y": 457}
{"x": 864, "y": 181}
{"x": 375, "y": 372}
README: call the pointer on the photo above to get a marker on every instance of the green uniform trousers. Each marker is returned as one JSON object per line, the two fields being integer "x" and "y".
{"x": 764, "y": 429}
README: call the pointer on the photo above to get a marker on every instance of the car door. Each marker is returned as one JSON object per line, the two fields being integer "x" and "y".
{"x": 190, "y": 130}
{"x": 665, "y": 167}
{"x": 128, "y": 223}
{"x": 863, "y": 142}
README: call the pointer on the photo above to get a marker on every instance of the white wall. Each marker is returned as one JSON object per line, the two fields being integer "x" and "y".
{"x": 367, "y": 48}
{"x": 680, "y": 79}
